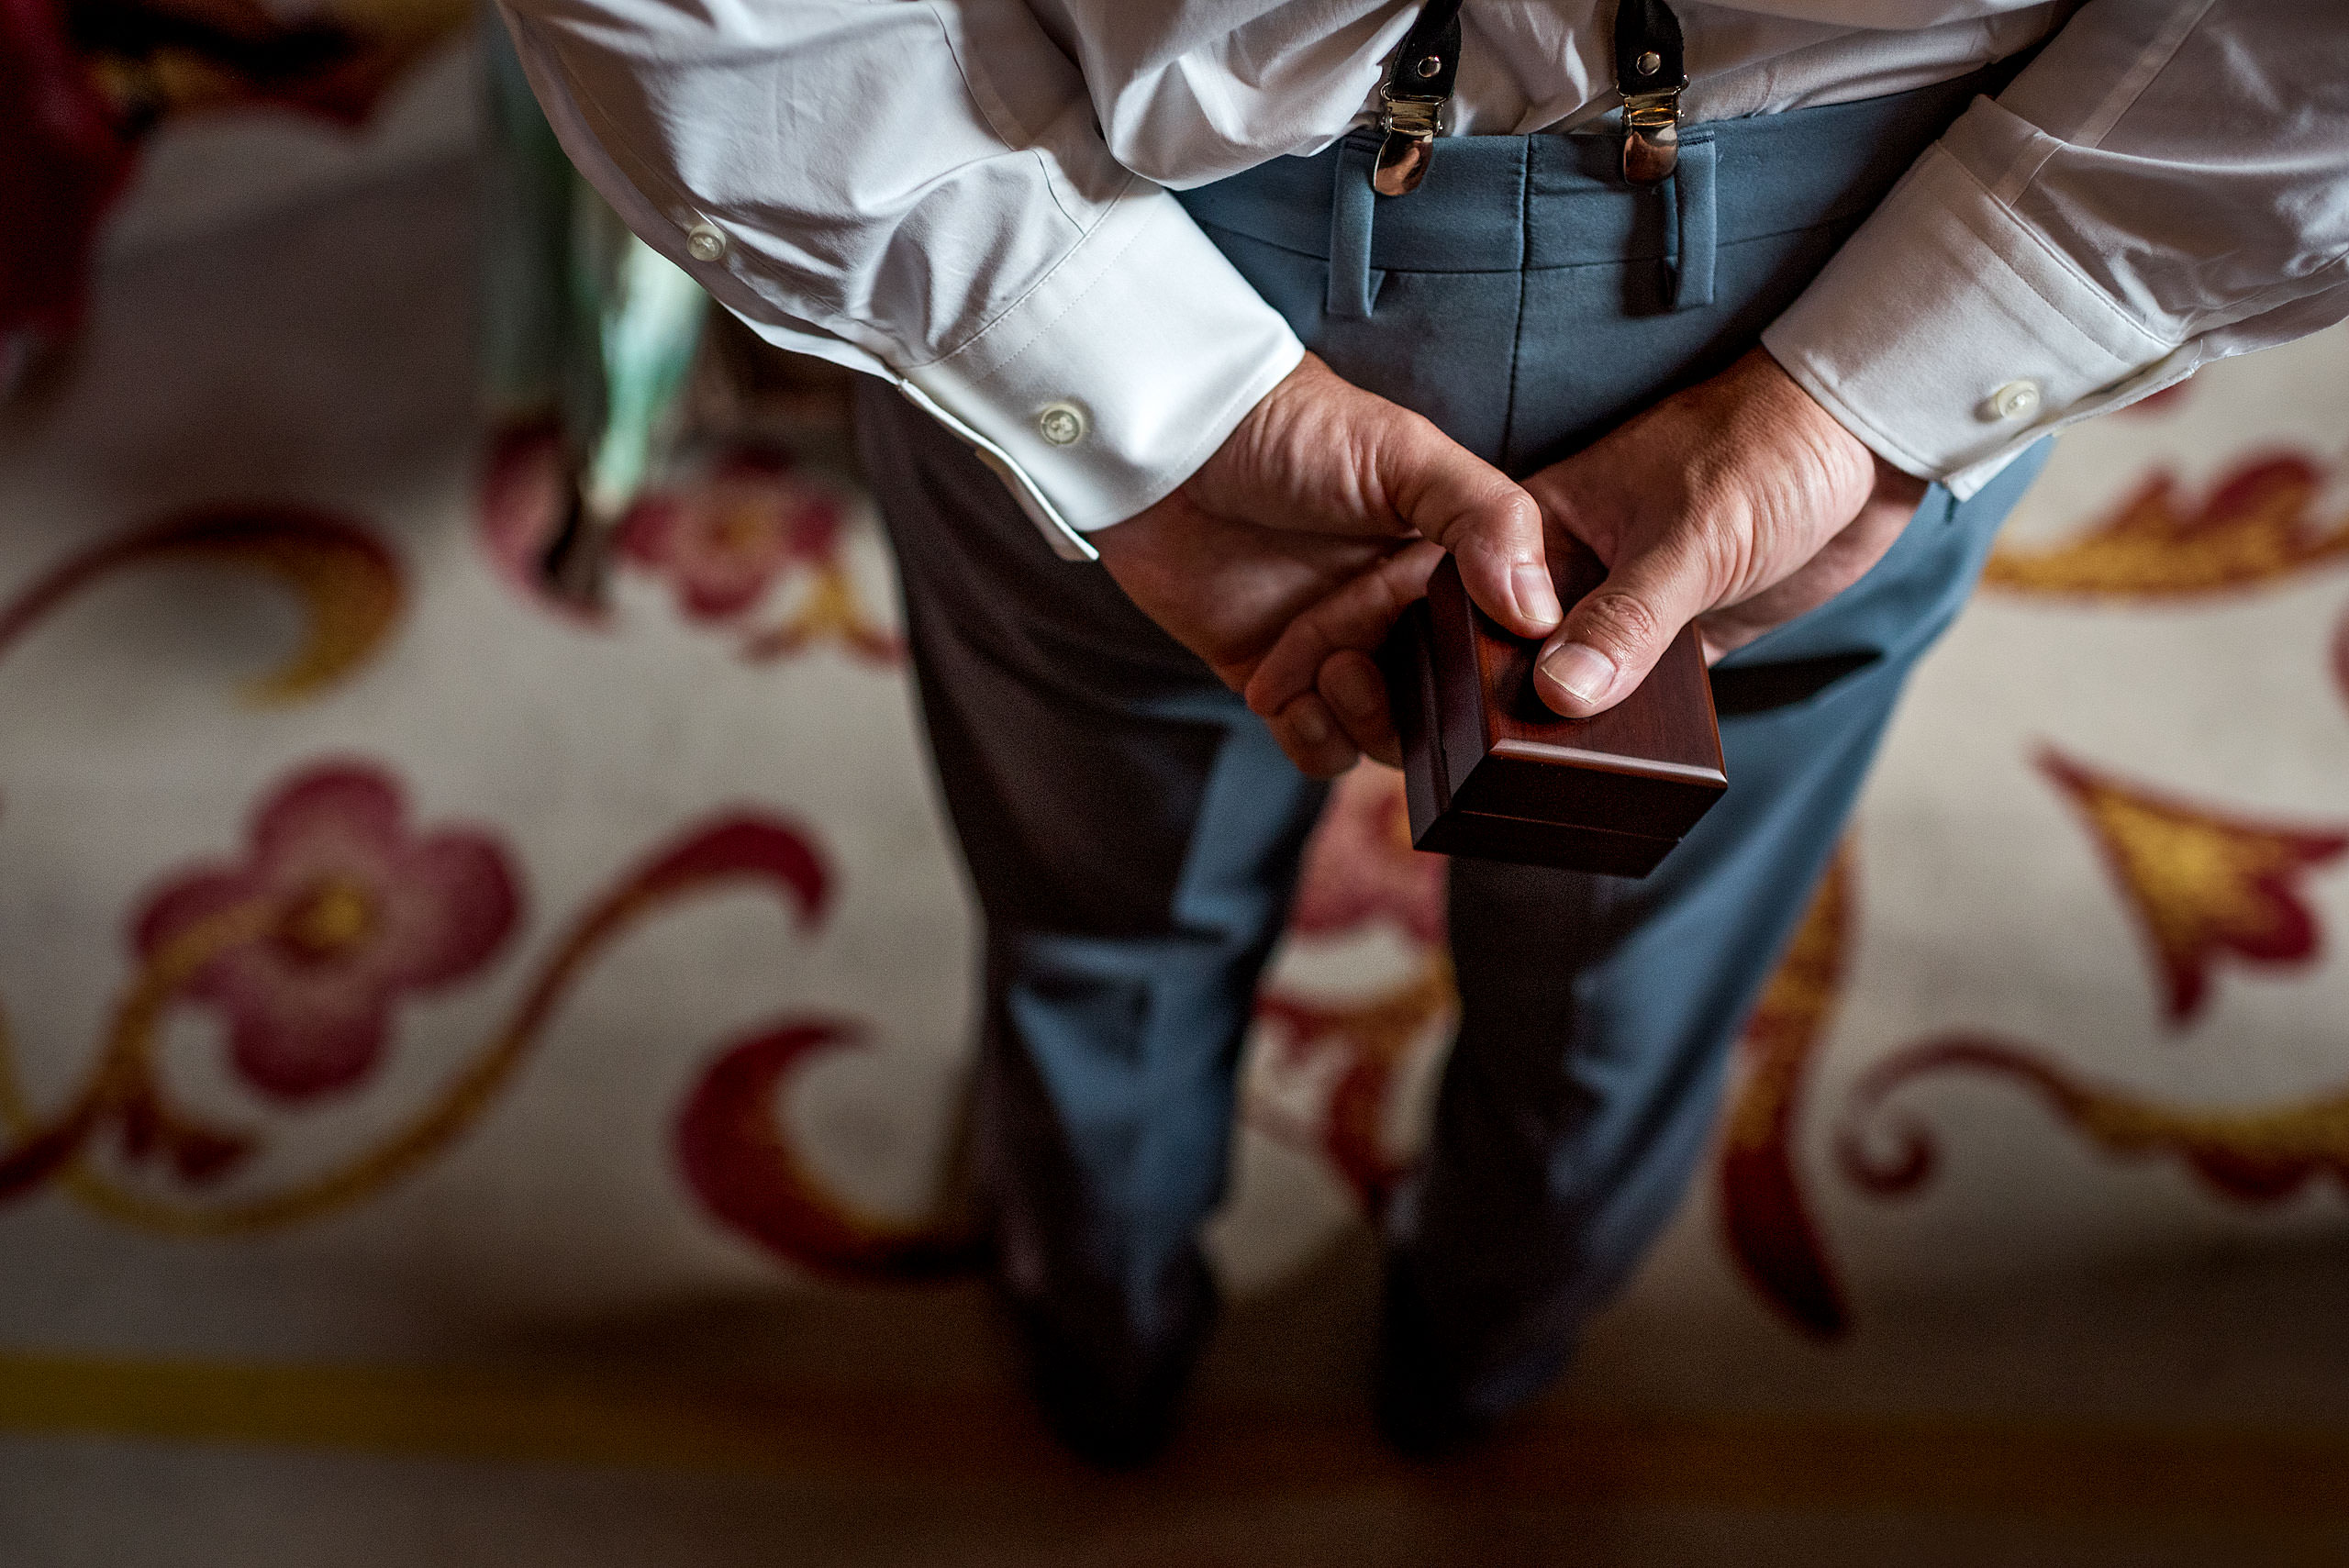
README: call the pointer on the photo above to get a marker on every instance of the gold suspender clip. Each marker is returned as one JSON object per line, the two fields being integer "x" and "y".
{"x": 1650, "y": 74}
{"x": 1411, "y": 125}
{"x": 1652, "y": 134}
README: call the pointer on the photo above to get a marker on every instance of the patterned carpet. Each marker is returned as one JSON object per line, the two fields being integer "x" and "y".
{"x": 478, "y": 1076}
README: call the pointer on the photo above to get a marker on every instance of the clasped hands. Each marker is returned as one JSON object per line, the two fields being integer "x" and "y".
{"x": 1283, "y": 561}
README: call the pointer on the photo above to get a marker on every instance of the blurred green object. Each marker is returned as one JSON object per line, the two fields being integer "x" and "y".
{"x": 584, "y": 324}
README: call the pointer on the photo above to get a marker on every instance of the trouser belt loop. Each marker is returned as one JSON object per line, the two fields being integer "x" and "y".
{"x": 1352, "y": 206}
{"x": 1695, "y": 220}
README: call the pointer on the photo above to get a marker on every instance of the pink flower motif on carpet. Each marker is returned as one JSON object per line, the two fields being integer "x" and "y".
{"x": 725, "y": 542}
{"x": 362, "y": 911}
{"x": 1360, "y": 866}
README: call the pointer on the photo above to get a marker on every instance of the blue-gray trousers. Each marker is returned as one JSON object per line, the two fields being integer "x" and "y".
{"x": 1133, "y": 831}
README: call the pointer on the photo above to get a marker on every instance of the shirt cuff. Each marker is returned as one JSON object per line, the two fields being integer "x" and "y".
{"x": 1111, "y": 381}
{"x": 1949, "y": 336}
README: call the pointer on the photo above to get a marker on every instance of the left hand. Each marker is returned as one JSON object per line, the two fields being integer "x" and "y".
{"x": 1737, "y": 504}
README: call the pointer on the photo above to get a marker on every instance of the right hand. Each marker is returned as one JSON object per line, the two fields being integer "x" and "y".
{"x": 1320, "y": 517}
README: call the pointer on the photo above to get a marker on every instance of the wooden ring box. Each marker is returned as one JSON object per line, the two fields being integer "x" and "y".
{"x": 1492, "y": 773}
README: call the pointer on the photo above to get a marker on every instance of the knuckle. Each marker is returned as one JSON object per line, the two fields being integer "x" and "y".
{"x": 1728, "y": 539}
{"x": 1271, "y": 688}
{"x": 1512, "y": 524}
{"x": 1619, "y": 622}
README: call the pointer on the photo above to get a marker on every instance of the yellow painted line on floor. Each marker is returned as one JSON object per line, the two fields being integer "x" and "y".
{"x": 2040, "y": 1470}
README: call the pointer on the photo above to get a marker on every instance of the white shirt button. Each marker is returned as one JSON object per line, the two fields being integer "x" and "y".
{"x": 2016, "y": 400}
{"x": 705, "y": 243}
{"x": 1060, "y": 424}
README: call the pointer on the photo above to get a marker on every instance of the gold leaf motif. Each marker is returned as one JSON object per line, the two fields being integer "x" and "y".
{"x": 2253, "y": 528}
{"x": 1768, "y": 1226}
{"x": 2253, "y": 1155}
{"x": 349, "y": 584}
{"x": 2201, "y": 883}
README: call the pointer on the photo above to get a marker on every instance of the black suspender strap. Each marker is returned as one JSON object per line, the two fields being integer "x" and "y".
{"x": 1411, "y": 98}
{"x": 1650, "y": 72}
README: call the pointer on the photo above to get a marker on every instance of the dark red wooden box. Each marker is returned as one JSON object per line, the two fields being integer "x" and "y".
{"x": 1492, "y": 773}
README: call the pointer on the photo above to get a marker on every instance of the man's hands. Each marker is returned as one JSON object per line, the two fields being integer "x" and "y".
{"x": 1737, "y": 504}
{"x": 1322, "y": 515}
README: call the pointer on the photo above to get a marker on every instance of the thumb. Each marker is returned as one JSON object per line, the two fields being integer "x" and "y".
{"x": 1490, "y": 525}
{"x": 1615, "y": 636}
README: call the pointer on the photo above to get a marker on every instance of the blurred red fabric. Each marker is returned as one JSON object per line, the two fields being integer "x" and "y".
{"x": 62, "y": 162}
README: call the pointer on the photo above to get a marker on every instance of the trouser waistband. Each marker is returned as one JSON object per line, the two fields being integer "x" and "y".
{"x": 1512, "y": 203}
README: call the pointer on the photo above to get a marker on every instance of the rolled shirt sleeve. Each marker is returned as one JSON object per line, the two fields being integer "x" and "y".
{"x": 2166, "y": 184}
{"x": 917, "y": 190}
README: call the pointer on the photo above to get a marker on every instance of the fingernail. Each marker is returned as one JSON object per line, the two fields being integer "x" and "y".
{"x": 1311, "y": 725}
{"x": 1582, "y": 670}
{"x": 1537, "y": 597}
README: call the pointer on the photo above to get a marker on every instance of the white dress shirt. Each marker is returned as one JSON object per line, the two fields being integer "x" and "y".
{"x": 968, "y": 196}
